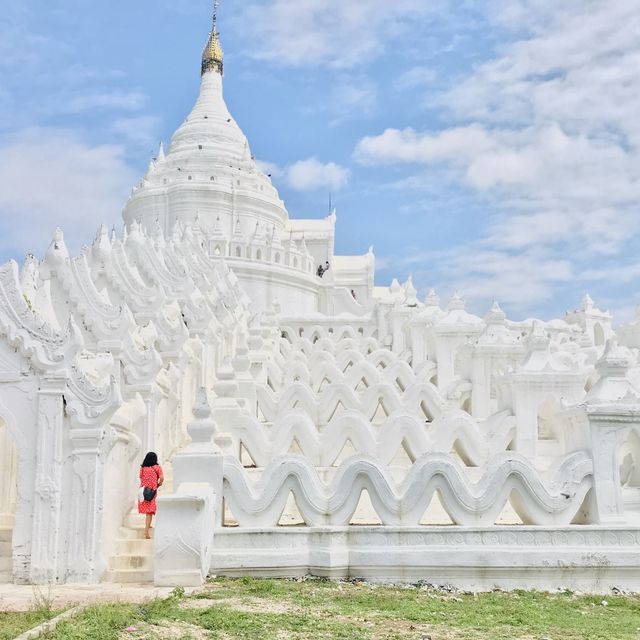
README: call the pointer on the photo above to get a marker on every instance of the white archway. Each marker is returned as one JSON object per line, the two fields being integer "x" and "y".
{"x": 598, "y": 335}
{"x": 629, "y": 464}
{"x": 8, "y": 476}
{"x": 549, "y": 419}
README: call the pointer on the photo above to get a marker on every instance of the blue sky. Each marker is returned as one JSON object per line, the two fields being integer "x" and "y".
{"x": 490, "y": 146}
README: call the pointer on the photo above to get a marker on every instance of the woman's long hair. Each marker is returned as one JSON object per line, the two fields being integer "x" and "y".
{"x": 150, "y": 460}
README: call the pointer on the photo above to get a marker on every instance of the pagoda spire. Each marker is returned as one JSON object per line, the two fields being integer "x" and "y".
{"x": 212, "y": 56}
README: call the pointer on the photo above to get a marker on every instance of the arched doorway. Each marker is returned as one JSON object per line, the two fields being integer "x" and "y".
{"x": 549, "y": 419}
{"x": 629, "y": 461}
{"x": 8, "y": 492}
{"x": 598, "y": 335}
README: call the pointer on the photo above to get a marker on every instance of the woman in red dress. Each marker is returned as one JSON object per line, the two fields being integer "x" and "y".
{"x": 151, "y": 477}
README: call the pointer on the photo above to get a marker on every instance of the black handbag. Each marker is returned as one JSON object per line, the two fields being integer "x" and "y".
{"x": 149, "y": 494}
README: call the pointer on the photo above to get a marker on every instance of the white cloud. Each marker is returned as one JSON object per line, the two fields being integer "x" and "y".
{"x": 395, "y": 146}
{"x": 415, "y": 78}
{"x": 52, "y": 178}
{"x": 308, "y": 175}
{"x": 335, "y": 32}
{"x": 111, "y": 100}
{"x": 352, "y": 97}
{"x": 270, "y": 168}
{"x": 517, "y": 279}
{"x": 311, "y": 174}
{"x": 140, "y": 130}
{"x": 547, "y": 134}
{"x": 485, "y": 274}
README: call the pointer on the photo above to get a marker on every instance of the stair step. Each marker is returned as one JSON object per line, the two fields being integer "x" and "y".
{"x": 5, "y": 577}
{"x": 6, "y": 535}
{"x": 132, "y": 533}
{"x": 129, "y": 577}
{"x": 134, "y": 520}
{"x": 6, "y": 548}
{"x": 130, "y": 563}
{"x": 134, "y": 547}
{"x": 6, "y": 564}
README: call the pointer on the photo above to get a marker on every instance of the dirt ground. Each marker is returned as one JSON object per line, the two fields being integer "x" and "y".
{"x": 22, "y": 598}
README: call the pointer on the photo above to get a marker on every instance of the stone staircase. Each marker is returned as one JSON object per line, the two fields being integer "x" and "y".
{"x": 6, "y": 560}
{"x": 132, "y": 562}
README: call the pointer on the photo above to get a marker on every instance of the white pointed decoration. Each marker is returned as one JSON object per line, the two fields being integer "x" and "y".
{"x": 587, "y": 303}
{"x": 496, "y": 315}
{"x": 457, "y": 302}
{"x": 395, "y": 287}
{"x": 410, "y": 293}
{"x": 614, "y": 385}
{"x": 57, "y": 252}
{"x": 101, "y": 249}
{"x": 432, "y": 299}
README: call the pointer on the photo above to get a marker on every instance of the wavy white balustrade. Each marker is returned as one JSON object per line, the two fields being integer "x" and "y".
{"x": 456, "y": 430}
{"x": 319, "y": 335}
{"x": 358, "y": 374}
{"x": 356, "y": 363}
{"x": 420, "y": 399}
{"x": 556, "y": 501}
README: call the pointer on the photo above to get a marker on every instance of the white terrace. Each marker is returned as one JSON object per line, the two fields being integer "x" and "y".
{"x": 307, "y": 424}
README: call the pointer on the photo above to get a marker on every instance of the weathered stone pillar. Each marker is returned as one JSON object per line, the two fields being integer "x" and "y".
{"x": 451, "y": 333}
{"x": 226, "y": 409}
{"x": 242, "y": 365}
{"x": 541, "y": 377}
{"x": 187, "y": 518}
{"x": 610, "y": 411}
{"x": 45, "y": 547}
{"x": 417, "y": 326}
{"x": 399, "y": 316}
{"x": 608, "y": 432}
{"x": 85, "y": 558}
{"x": 496, "y": 348}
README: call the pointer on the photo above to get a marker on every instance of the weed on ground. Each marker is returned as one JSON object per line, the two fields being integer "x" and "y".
{"x": 251, "y": 609}
{"x": 15, "y": 624}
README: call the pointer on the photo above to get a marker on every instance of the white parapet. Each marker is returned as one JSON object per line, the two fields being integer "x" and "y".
{"x": 589, "y": 559}
{"x": 184, "y": 536}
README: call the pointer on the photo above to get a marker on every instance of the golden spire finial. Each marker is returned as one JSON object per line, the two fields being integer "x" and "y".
{"x": 212, "y": 56}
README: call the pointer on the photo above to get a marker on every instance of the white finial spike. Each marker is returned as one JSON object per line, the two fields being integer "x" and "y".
{"x": 212, "y": 56}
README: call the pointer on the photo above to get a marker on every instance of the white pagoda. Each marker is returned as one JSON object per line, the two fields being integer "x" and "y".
{"x": 308, "y": 421}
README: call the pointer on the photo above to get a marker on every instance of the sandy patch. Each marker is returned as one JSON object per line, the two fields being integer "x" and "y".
{"x": 165, "y": 631}
{"x": 244, "y": 605}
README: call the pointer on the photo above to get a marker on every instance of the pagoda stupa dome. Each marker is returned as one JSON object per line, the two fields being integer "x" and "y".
{"x": 208, "y": 168}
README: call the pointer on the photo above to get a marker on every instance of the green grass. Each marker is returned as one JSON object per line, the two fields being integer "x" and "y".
{"x": 277, "y": 609}
{"x": 14, "y": 624}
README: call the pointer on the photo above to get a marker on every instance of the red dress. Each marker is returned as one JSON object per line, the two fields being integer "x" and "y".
{"x": 149, "y": 478}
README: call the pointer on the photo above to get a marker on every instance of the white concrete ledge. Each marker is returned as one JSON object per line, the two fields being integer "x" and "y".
{"x": 585, "y": 558}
